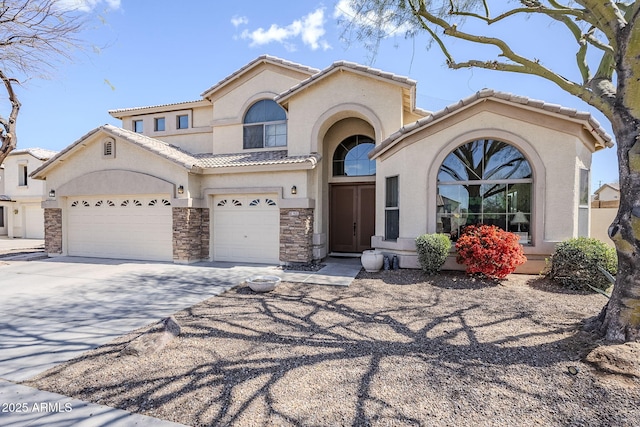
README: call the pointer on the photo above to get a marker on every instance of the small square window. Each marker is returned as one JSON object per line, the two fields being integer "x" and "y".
{"x": 137, "y": 126}
{"x": 159, "y": 124}
{"x": 182, "y": 122}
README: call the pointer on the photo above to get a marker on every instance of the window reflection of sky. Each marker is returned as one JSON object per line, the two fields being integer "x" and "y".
{"x": 357, "y": 163}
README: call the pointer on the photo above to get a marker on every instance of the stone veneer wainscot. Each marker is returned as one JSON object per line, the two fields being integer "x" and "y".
{"x": 296, "y": 235}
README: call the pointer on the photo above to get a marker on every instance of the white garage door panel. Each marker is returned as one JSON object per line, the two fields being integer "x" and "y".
{"x": 246, "y": 228}
{"x": 109, "y": 230}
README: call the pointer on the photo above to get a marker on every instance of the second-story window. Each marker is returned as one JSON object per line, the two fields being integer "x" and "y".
{"x": 182, "y": 122}
{"x": 23, "y": 176}
{"x": 158, "y": 124}
{"x": 265, "y": 125}
{"x": 137, "y": 126}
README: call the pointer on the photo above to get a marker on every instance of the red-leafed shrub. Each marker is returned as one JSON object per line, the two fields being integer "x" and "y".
{"x": 489, "y": 250}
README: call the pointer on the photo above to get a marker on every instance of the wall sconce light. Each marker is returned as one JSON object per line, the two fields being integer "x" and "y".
{"x": 52, "y": 194}
{"x": 294, "y": 190}
{"x": 180, "y": 189}
{"x": 15, "y": 211}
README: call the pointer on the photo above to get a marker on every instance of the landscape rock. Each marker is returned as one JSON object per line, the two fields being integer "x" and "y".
{"x": 154, "y": 340}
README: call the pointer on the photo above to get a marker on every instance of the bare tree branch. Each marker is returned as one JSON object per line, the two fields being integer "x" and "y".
{"x": 34, "y": 36}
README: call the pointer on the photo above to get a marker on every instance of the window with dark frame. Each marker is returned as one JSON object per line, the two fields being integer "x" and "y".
{"x": 182, "y": 121}
{"x": 265, "y": 125}
{"x": 1, "y": 216}
{"x": 485, "y": 181}
{"x": 351, "y": 157}
{"x": 138, "y": 126}
{"x": 159, "y": 124}
{"x": 391, "y": 209}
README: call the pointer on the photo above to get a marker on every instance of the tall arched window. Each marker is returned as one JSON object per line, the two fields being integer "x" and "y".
{"x": 485, "y": 182}
{"x": 265, "y": 125}
{"x": 351, "y": 157}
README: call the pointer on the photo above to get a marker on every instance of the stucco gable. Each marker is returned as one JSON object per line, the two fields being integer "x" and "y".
{"x": 258, "y": 62}
{"x": 599, "y": 137}
{"x": 160, "y": 148}
{"x": 408, "y": 85}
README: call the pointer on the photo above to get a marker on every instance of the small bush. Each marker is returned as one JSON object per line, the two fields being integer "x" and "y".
{"x": 489, "y": 250}
{"x": 574, "y": 263}
{"x": 433, "y": 250}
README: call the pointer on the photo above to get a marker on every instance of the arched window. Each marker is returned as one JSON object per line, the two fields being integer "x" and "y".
{"x": 265, "y": 125}
{"x": 485, "y": 182}
{"x": 351, "y": 157}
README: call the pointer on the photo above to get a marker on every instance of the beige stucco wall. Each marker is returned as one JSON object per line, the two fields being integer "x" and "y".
{"x": 338, "y": 96}
{"x": 601, "y": 219}
{"x": 195, "y": 139}
{"x": 233, "y": 101}
{"x": 87, "y": 158}
{"x": 551, "y": 146}
{"x": 23, "y": 216}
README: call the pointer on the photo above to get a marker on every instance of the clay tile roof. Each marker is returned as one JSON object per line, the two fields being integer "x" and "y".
{"x": 261, "y": 58}
{"x": 132, "y": 109}
{"x": 505, "y": 96}
{"x": 163, "y": 149}
{"x": 156, "y": 146}
{"x": 38, "y": 153}
{"x": 350, "y": 66}
{"x": 253, "y": 159}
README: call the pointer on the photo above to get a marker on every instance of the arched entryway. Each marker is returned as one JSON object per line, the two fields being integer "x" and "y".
{"x": 352, "y": 196}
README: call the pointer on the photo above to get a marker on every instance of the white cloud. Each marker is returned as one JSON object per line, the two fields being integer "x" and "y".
{"x": 344, "y": 10}
{"x": 310, "y": 29}
{"x": 86, "y": 5}
{"x": 239, "y": 20}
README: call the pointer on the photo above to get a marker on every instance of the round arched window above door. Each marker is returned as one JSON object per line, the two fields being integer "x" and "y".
{"x": 351, "y": 157}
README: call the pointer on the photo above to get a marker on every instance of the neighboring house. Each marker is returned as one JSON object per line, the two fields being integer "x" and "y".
{"x": 282, "y": 163}
{"x": 607, "y": 196}
{"x": 21, "y": 214}
{"x": 604, "y": 208}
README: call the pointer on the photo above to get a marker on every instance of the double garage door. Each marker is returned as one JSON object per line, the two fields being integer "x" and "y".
{"x": 246, "y": 228}
{"x": 127, "y": 227}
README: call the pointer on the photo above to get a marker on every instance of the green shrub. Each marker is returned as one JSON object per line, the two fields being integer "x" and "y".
{"x": 433, "y": 250}
{"x": 574, "y": 263}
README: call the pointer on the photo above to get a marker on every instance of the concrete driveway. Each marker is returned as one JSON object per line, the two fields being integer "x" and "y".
{"x": 55, "y": 309}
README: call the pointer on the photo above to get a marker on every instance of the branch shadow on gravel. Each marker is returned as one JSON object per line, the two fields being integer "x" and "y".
{"x": 373, "y": 353}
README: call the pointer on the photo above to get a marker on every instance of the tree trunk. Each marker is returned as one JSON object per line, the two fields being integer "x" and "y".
{"x": 620, "y": 318}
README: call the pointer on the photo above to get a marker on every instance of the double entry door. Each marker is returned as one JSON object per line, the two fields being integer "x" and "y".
{"x": 352, "y": 217}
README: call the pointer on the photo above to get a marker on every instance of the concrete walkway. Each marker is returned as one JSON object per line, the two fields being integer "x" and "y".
{"x": 56, "y": 309}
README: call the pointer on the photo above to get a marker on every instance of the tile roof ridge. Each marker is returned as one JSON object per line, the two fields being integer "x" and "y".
{"x": 251, "y": 64}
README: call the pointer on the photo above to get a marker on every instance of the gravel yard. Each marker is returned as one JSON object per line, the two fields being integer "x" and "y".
{"x": 395, "y": 348}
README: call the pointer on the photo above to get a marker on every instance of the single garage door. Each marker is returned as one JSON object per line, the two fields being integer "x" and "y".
{"x": 246, "y": 228}
{"x": 127, "y": 227}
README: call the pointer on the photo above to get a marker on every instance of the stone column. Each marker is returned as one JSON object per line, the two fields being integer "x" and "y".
{"x": 190, "y": 234}
{"x": 53, "y": 230}
{"x": 296, "y": 235}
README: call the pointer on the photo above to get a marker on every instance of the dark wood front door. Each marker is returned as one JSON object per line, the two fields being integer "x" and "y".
{"x": 352, "y": 217}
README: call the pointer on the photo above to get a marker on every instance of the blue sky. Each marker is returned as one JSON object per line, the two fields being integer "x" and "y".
{"x": 148, "y": 52}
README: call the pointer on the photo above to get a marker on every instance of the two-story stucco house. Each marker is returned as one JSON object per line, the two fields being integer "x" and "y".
{"x": 21, "y": 214}
{"x": 283, "y": 163}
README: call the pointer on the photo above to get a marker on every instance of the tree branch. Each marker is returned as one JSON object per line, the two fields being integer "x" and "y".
{"x": 522, "y": 64}
{"x": 8, "y": 139}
